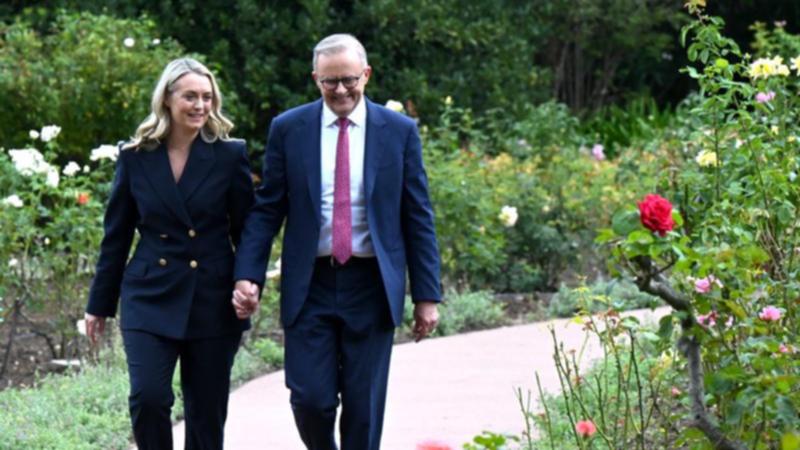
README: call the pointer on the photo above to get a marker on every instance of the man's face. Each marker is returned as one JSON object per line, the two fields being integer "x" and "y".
{"x": 336, "y": 71}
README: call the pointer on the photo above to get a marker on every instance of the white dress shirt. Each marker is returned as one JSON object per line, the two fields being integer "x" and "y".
{"x": 362, "y": 243}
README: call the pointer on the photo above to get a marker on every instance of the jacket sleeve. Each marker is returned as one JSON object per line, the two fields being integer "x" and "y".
{"x": 119, "y": 225}
{"x": 419, "y": 232}
{"x": 266, "y": 217}
{"x": 240, "y": 194}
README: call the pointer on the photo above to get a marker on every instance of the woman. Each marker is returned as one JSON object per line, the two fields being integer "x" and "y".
{"x": 186, "y": 187}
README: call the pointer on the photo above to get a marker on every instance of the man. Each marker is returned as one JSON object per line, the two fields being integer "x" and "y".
{"x": 347, "y": 176}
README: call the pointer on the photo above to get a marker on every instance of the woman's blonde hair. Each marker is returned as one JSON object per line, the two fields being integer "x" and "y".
{"x": 157, "y": 125}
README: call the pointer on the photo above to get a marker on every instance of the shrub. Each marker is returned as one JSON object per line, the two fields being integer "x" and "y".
{"x": 728, "y": 266}
{"x": 628, "y": 396}
{"x": 602, "y": 295}
{"x": 557, "y": 189}
{"x": 82, "y": 76}
{"x": 51, "y": 217}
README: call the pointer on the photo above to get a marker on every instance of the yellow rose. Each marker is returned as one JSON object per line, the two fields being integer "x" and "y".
{"x": 706, "y": 158}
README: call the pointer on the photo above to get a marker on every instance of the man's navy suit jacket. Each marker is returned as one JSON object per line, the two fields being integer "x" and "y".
{"x": 398, "y": 208}
{"x": 179, "y": 281}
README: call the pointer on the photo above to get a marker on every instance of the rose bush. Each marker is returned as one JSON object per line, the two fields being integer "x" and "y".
{"x": 728, "y": 265}
{"x": 52, "y": 224}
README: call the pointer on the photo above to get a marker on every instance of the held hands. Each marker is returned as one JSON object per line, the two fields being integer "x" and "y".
{"x": 426, "y": 316}
{"x": 245, "y": 298}
{"x": 95, "y": 327}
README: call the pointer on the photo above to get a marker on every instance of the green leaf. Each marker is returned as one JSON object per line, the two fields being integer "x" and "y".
{"x": 737, "y": 310}
{"x": 676, "y": 216}
{"x": 790, "y": 441}
{"x": 665, "y": 327}
{"x": 640, "y": 237}
{"x": 604, "y": 235}
{"x": 625, "y": 221}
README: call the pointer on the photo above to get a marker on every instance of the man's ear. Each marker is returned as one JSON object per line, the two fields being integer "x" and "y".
{"x": 367, "y": 73}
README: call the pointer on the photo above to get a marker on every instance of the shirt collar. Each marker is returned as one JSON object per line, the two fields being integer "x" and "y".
{"x": 358, "y": 116}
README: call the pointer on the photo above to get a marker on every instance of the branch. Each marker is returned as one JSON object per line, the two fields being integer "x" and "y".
{"x": 655, "y": 283}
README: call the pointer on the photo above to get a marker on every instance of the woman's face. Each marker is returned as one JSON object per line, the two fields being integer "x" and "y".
{"x": 190, "y": 102}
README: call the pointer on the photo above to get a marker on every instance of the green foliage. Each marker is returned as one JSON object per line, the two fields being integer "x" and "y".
{"x": 81, "y": 76}
{"x": 534, "y": 165}
{"x": 89, "y": 409}
{"x": 774, "y": 41}
{"x": 490, "y": 441}
{"x": 595, "y": 48}
{"x": 617, "y": 127}
{"x": 629, "y": 394}
{"x": 86, "y": 410}
{"x": 268, "y": 351}
{"x": 733, "y": 251}
{"x": 619, "y": 295}
{"x": 52, "y": 222}
{"x": 421, "y": 51}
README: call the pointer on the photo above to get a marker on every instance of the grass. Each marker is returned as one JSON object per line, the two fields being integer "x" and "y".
{"x": 88, "y": 410}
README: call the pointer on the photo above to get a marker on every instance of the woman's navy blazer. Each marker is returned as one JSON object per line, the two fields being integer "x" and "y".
{"x": 178, "y": 282}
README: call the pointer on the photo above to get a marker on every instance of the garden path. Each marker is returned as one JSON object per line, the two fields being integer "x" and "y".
{"x": 448, "y": 389}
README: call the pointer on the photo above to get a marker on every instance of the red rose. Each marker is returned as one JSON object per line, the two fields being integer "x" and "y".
{"x": 83, "y": 198}
{"x": 655, "y": 213}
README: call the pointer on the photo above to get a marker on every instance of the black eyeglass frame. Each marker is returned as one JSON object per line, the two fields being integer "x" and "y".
{"x": 350, "y": 82}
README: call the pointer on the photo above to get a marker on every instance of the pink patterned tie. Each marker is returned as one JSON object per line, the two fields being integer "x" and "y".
{"x": 342, "y": 246}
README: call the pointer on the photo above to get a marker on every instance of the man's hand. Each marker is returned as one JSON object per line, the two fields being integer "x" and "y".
{"x": 426, "y": 316}
{"x": 245, "y": 298}
{"x": 95, "y": 327}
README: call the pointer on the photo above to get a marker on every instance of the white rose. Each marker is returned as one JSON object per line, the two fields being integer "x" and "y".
{"x": 395, "y": 106}
{"x": 28, "y": 161}
{"x": 50, "y": 132}
{"x": 156, "y": 41}
{"x": 129, "y": 42}
{"x": 86, "y": 168}
{"x": 13, "y": 262}
{"x": 13, "y": 200}
{"x": 508, "y": 216}
{"x": 105, "y": 152}
{"x": 52, "y": 177}
{"x": 33, "y": 134}
{"x": 71, "y": 168}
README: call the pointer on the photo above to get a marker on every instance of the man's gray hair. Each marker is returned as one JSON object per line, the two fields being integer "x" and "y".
{"x": 337, "y": 43}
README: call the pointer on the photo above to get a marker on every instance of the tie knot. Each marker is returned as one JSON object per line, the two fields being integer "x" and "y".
{"x": 343, "y": 122}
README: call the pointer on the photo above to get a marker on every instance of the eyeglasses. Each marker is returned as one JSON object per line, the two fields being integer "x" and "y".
{"x": 333, "y": 83}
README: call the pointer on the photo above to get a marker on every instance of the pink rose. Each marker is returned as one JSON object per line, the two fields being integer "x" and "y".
{"x": 784, "y": 349}
{"x": 598, "y": 152}
{"x": 770, "y": 314}
{"x": 675, "y": 391}
{"x": 433, "y": 444}
{"x": 707, "y": 320}
{"x": 585, "y": 428}
{"x": 704, "y": 285}
{"x": 765, "y": 97}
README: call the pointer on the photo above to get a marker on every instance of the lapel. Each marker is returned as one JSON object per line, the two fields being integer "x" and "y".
{"x": 310, "y": 126}
{"x": 199, "y": 164}
{"x": 373, "y": 148}
{"x": 155, "y": 165}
